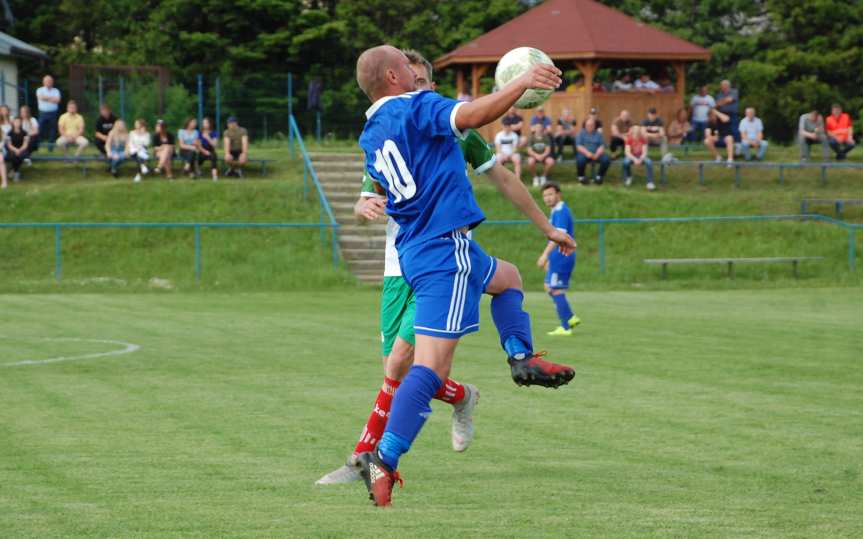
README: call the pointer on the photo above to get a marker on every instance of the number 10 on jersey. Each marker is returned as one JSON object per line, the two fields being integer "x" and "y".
{"x": 390, "y": 163}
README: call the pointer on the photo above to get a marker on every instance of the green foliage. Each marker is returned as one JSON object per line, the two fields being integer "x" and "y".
{"x": 785, "y": 56}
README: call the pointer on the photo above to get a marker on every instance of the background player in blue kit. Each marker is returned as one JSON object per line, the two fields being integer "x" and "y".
{"x": 558, "y": 266}
{"x": 411, "y": 152}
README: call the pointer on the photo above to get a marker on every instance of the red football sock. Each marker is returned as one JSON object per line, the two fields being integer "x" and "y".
{"x": 377, "y": 421}
{"x": 450, "y": 391}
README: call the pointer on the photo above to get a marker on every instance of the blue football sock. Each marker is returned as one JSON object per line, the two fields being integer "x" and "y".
{"x": 408, "y": 414}
{"x": 564, "y": 311}
{"x": 513, "y": 324}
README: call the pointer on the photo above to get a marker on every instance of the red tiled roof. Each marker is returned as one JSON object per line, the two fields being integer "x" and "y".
{"x": 576, "y": 29}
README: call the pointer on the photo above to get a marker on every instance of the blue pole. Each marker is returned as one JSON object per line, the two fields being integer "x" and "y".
{"x": 219, "y": 104}
{"x": 335, "y": 248}
{"x": 58, "y": 253}
{"x": 123, "y": 98}
{"x": 318, "y": 125}
{"x": 305, "y": 181}
{"x": 602, "y": 248}
{"x": 852, "y": 250}
{"x": 101, "y": 92}
{"x": 200, "y": 99}
{"x": 291, "y": 112}
{"x": 198, "y": 253}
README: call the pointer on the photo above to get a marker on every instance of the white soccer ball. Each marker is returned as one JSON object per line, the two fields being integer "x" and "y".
{"x": 514, "y": 64}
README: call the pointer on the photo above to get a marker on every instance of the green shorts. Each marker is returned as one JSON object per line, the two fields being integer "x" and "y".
{"x": 397, "y": 313}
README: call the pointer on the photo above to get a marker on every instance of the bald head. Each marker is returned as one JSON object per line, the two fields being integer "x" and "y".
{"x": 383, "y": 71}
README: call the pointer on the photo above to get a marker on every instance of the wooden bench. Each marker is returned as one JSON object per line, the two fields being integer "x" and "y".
{"x": 837, "y": 203}
{"x": 84, "y": 161}
{"x": 738, "y": 165}
{"x": 794, "y": 260}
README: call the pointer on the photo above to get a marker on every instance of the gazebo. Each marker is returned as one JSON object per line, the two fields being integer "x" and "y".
{"x": 588, "y": 35}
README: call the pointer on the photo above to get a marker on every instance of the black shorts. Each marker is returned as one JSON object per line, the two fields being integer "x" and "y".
{"x": 236, "y": 154}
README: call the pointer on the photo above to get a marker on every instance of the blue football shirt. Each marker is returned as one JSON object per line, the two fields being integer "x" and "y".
{"x": 410, "y": 150}
{"x": 561, "y": 219}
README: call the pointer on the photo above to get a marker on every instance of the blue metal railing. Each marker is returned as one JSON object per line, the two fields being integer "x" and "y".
{"x": 196, "y": 227}
{"x": 851, "y": 228}
{"x": 309, "y": 172}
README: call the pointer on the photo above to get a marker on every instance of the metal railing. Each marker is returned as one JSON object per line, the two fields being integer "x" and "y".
{"x": 602, "y": 224}
{"x": 309, "y": 172}
{"x": 195, "y": 227}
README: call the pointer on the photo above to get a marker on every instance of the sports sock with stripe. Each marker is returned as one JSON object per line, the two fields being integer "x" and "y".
{"x": 451, "y": 392}
{"x": 409, "y": 412}
{"x": 377, "y": 421}
{"x": 564, "y": 311}
{"x": 513, "y": 324}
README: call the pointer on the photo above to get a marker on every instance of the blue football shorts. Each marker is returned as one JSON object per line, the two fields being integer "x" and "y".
{"x": 560, "y": 269}
{"x": 448, "y": 276}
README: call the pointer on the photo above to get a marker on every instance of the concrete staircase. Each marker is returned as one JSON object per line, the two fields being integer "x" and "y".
{"x": 362, "y": 245}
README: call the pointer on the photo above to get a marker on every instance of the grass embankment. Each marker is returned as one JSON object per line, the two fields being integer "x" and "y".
{"x": 293, "y": 259}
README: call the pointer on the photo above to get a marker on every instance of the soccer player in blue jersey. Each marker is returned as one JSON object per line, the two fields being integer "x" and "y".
{"x": 558, "y": 266}
{"x": 411, "y": 153}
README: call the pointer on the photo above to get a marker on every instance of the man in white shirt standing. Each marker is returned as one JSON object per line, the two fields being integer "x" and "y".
{"x": 701, "y": 104}
{"x": 48, "y": 98}
{"x": 752, "y": 135}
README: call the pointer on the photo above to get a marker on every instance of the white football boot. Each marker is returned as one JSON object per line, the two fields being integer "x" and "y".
{"x": 462, "y": 419}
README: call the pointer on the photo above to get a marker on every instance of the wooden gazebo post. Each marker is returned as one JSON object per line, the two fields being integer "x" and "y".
{"x": 588, "y": 70}
{"x": 680, "y": 76}
{"x": 476, "y": 73}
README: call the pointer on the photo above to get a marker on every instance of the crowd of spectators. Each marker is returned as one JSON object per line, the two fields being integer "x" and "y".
{"x": 22, "y": 135}
{"x": 710, "y": 119}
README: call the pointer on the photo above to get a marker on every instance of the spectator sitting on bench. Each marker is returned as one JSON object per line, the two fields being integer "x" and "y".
{"x": 636, "y": 154}
{"x": 187, "y": 138}
{"x": 810, "y": 130}
{"x": 139, "y": 147}
{"x": 840, "y": 132}
{"x": 679, "y": 128}
{"x": 539, "y": 151}
{"x": 71, "y": 126}
{"x": 104, "y": 123}
{"x": 653, "y": 128}
{"x": 5, "y": 119}
{"x": 619, "y": 129}
{"x": 590, "y": 148}
{"x": 31, "y": 127}
{"x": 593, "y": 114}
{"x": 17, "y": 142}
{"x": 208, "y": 142}
{"x": 506, "y": 148}
{"x": 117, "y": 144}
{"x": 236, "y": 148}
{"x": 752, "y": 135}
{"x": 719, "y": 135}
{"x": 163, "y": 145}
{"x": 540, "y": 118}
{"x": 514, "y": 120}
{"x": 3, "y": 182}
{"x": 564, "y": 133}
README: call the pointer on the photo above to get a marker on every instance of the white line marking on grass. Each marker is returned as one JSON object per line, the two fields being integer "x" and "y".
{"x": 128, "y": 348}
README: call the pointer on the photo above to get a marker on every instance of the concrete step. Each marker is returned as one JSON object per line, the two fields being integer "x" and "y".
{"x": 339, "y": 166}
{"x": 362, "y": 242}
{"x": 370, "y": 277}
{"x": 355, "y": 253}
{"x": 340, "y": 175}
{"x": 364, "y": 229}
{"x": 324, "y": 156}
{"x": 365, "y": 265}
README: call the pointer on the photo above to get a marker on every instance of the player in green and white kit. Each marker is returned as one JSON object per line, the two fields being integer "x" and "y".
{"x": 397, "y": 310}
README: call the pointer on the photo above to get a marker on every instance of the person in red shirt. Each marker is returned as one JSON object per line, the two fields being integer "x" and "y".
{"x": 636, "y": 154}
{"x": 840, "y": 132}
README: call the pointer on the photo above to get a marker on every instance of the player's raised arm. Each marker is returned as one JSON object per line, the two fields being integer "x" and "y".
{"x": 489, "y": 108}
{"x": 515, "y": 191}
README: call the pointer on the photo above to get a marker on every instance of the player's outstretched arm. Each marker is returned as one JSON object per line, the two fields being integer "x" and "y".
{"x": 489, "y": 108}
{"x": 515, "y": 191}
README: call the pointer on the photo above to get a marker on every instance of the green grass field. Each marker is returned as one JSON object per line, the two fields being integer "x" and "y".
{"x": 693, "y": 414}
